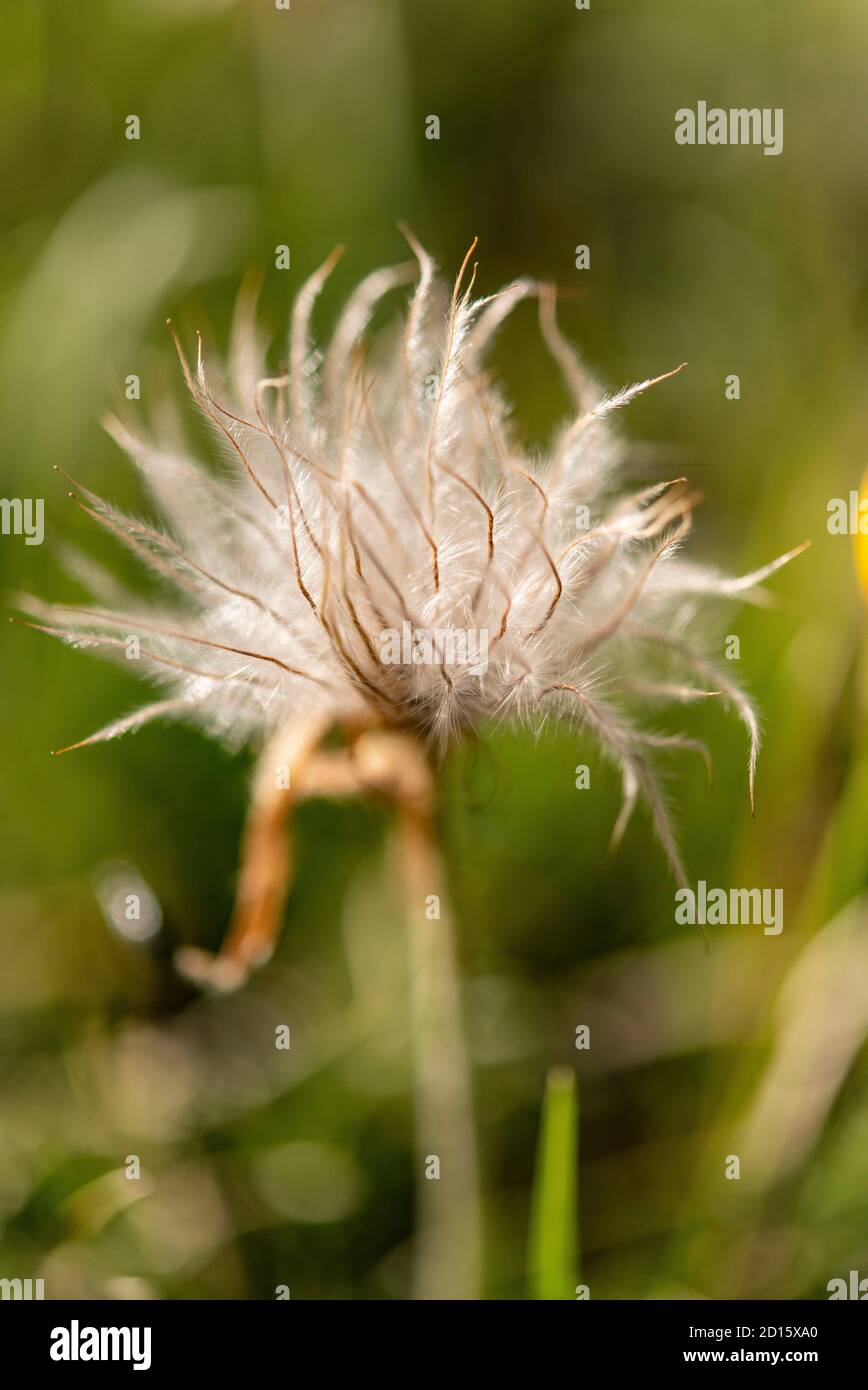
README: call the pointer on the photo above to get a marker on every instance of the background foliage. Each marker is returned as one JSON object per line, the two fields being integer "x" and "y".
{"x": 307, "y": 127}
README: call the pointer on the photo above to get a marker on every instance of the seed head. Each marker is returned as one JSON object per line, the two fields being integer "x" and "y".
{"x": 377, "y": 548}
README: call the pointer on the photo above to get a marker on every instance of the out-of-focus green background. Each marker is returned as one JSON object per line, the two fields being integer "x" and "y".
{"x": 307, "y": 127}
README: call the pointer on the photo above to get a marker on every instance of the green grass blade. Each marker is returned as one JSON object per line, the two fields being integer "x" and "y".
{"x": 553, "y": 1268}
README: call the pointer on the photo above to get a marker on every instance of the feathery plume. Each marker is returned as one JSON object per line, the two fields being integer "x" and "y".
{"x": 378, "y": 552}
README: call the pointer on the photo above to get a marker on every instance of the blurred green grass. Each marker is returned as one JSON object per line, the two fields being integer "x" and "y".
{"x": 554, "y": 1236}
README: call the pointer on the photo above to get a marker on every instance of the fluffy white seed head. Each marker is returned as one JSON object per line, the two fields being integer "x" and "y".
{"x": 376, "y": 547}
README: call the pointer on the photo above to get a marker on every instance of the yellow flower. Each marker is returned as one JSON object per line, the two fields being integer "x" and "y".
{"x": 861, "y": 540}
